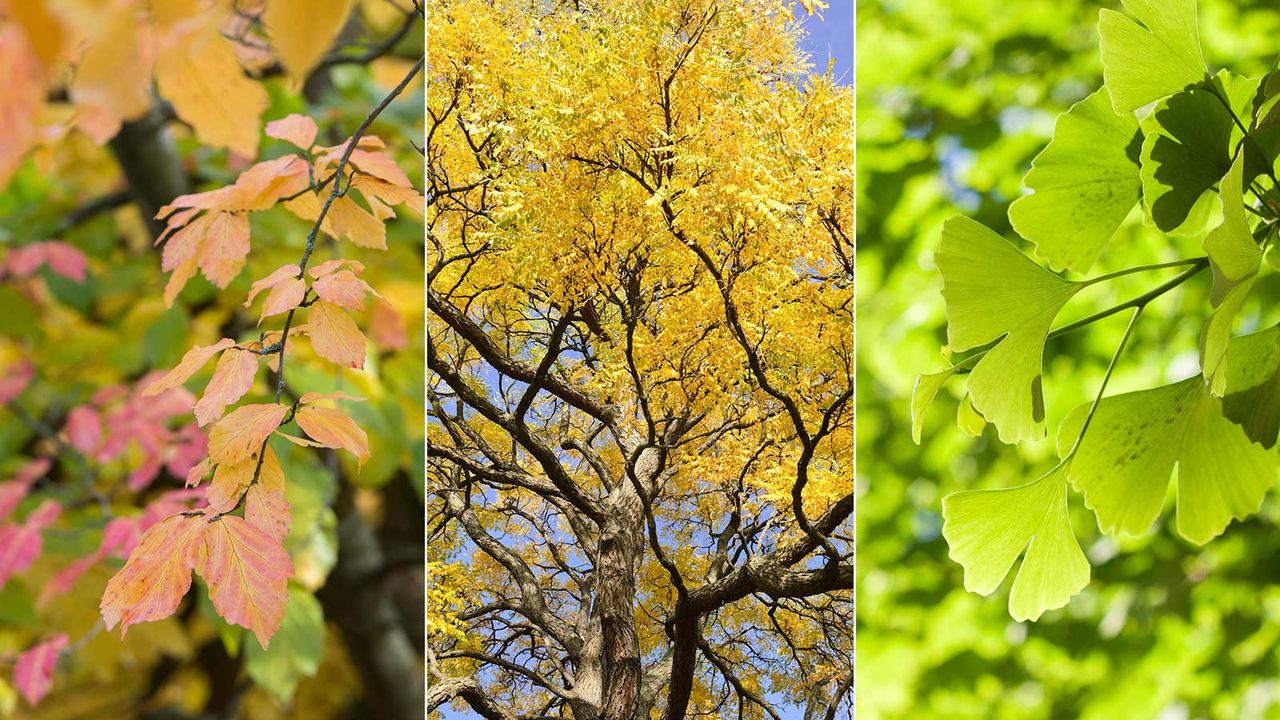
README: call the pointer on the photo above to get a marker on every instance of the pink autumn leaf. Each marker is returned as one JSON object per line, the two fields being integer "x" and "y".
{"x": 145, "y": 474}
{"x": 14, "y": 380}
{"x": 66, "y": 260}
{"x": 20, "y": 545}
{"x": 12, "y": 491}
{"x": 84, "y": 429}
{"x": 24, "y": 261}
{"x": 33, "y": 673}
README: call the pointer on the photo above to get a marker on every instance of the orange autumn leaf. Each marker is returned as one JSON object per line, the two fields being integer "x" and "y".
{"x": 334, "y": 335}
{"x": 156, "y": 575}
{"x": 228, "y": 484}
{"x": 225, "y": 247}
{"x": 247, "y": 572}
{"x": 112, "y": 80}
{"x": 238, "y": 436}
{"x": 258, "y": 188}
{"x": 329, "y": 266}
{"x": 22, "y": 86}
{"x": 191, "y": 362}
{"x": 231, "y": 379}
{"x": 198, "y": 73}
{"x": 46, "y": 33}
{"x": 348, "y": 221}
{"x": 343, "y": 289}
{"x": 302, "y": 31}
{"x": 312, "y": 397}
{"x": 276, "y": 277}
{"x": 284, "y": 297}
{"x": 297, "y": 129}
{"x": 333, "y": 429}
{"x": 265, "y": 505}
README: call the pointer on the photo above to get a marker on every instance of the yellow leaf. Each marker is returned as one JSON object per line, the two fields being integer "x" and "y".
{"x": 199, "y": 74}
{"x": 238, "y": 436}
{"x": 303, "y": 30}
{"x": 333, "y": 429}
{"x": 334, "y": 335}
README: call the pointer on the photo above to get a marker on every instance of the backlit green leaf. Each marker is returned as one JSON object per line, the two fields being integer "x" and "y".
{"x": 1188, "y": 147}
{"x": 988, "y": 529}
{"x": 1124, "y": 462}
{"x": 1235, "y": 259}
{"x": 1083, "y": 184}
{"x": 1141, "y": 64}
{"x": 994, "y": 292}
{"x": 1252, "y": 399}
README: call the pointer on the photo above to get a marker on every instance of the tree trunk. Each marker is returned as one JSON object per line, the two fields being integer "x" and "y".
{"x": 149, "y": 159}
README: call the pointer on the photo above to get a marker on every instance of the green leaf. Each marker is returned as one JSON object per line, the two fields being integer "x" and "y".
{"x": 995, "y": 293}
{"x": 1123, "y": 464}
{"x": 1235, "y": 259}
{"x": 1083, "y": 184}
{"x": 968, "y": 419}
{"x": 1144, "y": 64}
{"x": 988, "y": 529}
{"x": 1252, "y": 399}
{"x": 1189, "y": 146}
{"x": 926, "y": 389}
{"x": 296, "y": 648}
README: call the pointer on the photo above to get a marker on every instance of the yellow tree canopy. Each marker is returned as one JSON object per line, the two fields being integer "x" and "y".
{"x": 641, "y": 281}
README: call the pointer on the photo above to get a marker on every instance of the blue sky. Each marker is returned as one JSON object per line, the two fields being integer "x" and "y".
{"x": 831, "y": 36}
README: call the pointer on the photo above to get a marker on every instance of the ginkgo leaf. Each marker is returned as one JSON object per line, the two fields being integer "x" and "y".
{"x": 265, "y": 505}
{"x": 189, "y": 365}
{"x": 332, "y": 428}
{"x": 922, "y": 395}
{"x": 231, "y": 379}
{"x": 247, "y": 572}
{"x": 239, "y": 435}
{"x": 199, "y": 74}
{"x": 334, "y": 335}
{"x": 1252, "y": 398}
{"x": 987, "y": 530}
{"x": 1083, "y": 184}
{"x": 994, "y": 293}
{"x": 1141, "y": 64}
{"x": 156, "y": 575}
{"x": 1188, "y": 147}
{"x": 33, "y": 672}
{"x": 302, "y": 31}
{"x": 1235, "y": 259}
{"x": 1123, "y": 464}
{"x": 968, "y": 419}
{"x": 297, "y": 129}
{"x": 342, "y": 288}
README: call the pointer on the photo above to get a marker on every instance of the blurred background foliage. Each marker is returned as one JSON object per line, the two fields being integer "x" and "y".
{"x": 954, "y": 100}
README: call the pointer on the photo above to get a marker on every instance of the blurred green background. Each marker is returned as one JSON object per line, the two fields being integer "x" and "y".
{"x": 954, "y": 100}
